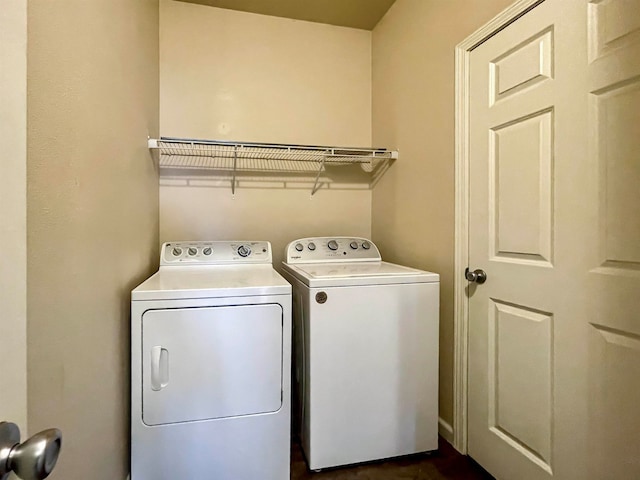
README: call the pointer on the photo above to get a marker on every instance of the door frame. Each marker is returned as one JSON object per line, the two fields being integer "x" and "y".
{"x": 13, "y": 211}
{"x": 461, "y": 253}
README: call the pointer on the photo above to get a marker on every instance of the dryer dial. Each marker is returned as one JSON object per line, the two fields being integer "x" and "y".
{"x": 177, "y": 251}
{"x": 244, "y": 250}
{"x": 333, "y": 245}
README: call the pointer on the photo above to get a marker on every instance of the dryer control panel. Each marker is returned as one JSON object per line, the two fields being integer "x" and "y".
{"x": 215, "y": 253}
{"x": 332, "y": 249}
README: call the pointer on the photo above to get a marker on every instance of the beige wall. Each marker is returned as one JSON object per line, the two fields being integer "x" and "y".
{"x": 92, "y": 218}
{"x": 13, "y": 211}
{"x": 231, "y": 75}
{"x": 413, "y": 111}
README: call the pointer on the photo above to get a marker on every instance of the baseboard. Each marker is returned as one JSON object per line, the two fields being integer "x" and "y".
{"x": 445, "y": 430}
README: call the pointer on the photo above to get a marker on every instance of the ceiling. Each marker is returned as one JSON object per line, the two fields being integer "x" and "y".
{"x": 363, "y": 14}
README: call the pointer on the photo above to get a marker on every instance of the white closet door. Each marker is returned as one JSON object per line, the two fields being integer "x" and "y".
{"x": 554, "y": 333}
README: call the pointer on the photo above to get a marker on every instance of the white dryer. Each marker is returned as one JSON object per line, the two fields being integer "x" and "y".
{"x": 210, "y": 365}
{"x": 366, "y": 352}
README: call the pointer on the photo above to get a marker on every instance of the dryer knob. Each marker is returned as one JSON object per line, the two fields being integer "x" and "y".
{"x": 207, "y": 251}
{"x": 192, "y": 251}
{"x": 299, "y": 247}
{"x": 354, "y": 245}
{"x": 366, "y": 245}
{"x": 176, "y": 251}
{"x": 311, "y": 246}
{"x": 244, "y": 250}
{"x": 333, "y": 245}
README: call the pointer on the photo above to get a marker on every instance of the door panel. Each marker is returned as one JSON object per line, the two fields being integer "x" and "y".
{"x": 614, "y": 265}
{"x": 526, "y": 323}
{"x": 216, "y": 362}
{"x": 554, "y": 333}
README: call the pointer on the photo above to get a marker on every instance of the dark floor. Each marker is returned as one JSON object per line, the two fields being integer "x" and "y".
{"x": 446, "y": 463}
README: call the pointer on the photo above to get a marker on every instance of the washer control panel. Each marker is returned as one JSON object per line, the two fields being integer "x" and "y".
{"x": 215, "y": 253}
{"x": 332, "y": 249}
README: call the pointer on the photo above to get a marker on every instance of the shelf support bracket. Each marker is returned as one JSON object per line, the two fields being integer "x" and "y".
{"x": 235, "y": 164}
{"x": 315, "y": 184}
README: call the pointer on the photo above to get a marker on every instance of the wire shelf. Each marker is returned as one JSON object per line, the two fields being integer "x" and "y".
{"x": 242, "y": 157}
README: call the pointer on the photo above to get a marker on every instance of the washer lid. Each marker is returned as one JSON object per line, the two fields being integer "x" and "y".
{"x": 358, "y": 273}
{"x": 176, "y": 283}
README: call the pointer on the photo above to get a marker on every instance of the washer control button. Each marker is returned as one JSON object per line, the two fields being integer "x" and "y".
{"x": 193, "y": 251}
{"x": 177, "y": 251}
{"x": 299, "y": 247}
{"x": 333, "y": 245}
{"x": 207, "y": 251}
{"x": 244, "y": 250}
{"x": 366, "y": 245}
{"x": 311, "y": 246}
{"x": 354, "y": 245}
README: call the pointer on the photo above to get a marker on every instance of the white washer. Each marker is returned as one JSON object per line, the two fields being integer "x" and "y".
{"x": 210, "y": 365}
{"x": 366, "y": 352}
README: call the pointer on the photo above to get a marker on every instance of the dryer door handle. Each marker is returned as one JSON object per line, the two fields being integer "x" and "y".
{"x": 159, "y": 368}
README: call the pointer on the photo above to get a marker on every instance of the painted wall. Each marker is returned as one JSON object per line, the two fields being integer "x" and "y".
{"x": 231, "y": 75}
{"x": 13, "y": 211}
{"x": 92, "y": 219}
{"x": 413, "y": 111}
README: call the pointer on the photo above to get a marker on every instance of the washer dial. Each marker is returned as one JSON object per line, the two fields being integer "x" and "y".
{"x": 299, "y": 247}
{"x": 354, "y": 245}
{"x": 207, "y": 251}
{"x": 244, "y": 250}
{"x": 177, "y": 251}
{"x": 366, "y": 245}
{"x": 192, "y": 251}
{"x": 311, "y": 246}
{"x": 333, "y": 245}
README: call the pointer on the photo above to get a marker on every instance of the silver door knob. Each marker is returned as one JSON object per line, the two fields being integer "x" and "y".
{"x": 31, "y": 460}
{"x": 477, "y": 276}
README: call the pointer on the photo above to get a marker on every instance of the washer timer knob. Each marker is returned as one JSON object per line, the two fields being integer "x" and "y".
{"x": 192, "y": 251}
{"x": 244, "y": 250}
{"x": 354, "y": 245}
{"x": 333, "y": 245}
{"x": 207, "y": 251}
{"x": 177, "y": 251}
{"x": 366, "y": 245}
{"x": 311, "y": 246}
{"x": 299, "y": 247}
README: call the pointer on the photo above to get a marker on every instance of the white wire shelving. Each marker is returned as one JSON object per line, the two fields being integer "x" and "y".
{"x": 238, "y": 158}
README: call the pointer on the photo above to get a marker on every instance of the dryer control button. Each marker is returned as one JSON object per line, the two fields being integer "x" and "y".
{"x": 299, "y": 247}
{"x": 333, "y": 245}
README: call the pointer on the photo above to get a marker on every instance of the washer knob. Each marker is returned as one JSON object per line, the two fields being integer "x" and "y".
{"x": 311, "y": 246}
{"x": 177, "y": 251}
{"x": 333, "y": 245}
{"x": 366, "y": 245}
{"x": 299, "y": 247}
{"x": 207, "y": 251}
{"x": 192, "y": 251}
{"x": 354, "y": 245}
{"x": 244, "y": 250}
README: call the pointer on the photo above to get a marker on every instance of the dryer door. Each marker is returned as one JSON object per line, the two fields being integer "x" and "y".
{"x": 211, "y": 362}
